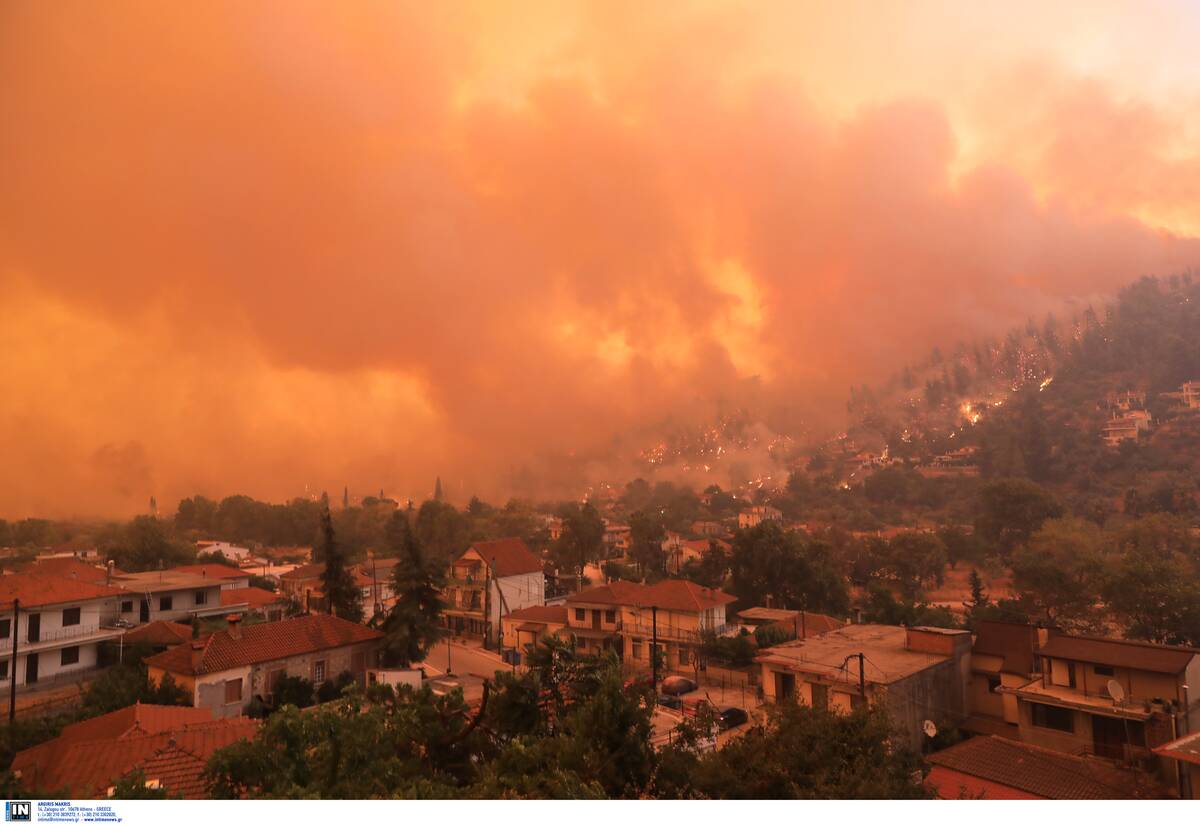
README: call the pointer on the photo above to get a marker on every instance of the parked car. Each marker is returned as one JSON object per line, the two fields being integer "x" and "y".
{"x": 672, "y": 701}
{"x": 678, "y": 685}
{"x": 733, "y": 717}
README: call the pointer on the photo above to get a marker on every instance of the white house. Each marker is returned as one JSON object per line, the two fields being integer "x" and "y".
{"x": 755, "y": 515}
{"x": 491, "y": 579}
{"x": 169, "y": 595}
{"x": 56, "y": 623}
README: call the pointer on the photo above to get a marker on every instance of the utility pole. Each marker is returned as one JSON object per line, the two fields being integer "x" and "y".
{"x": 12, "y": 688}
{"x": 654, "y": 648}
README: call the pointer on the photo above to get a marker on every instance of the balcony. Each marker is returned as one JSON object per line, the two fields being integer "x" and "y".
{"x": 66, "y": 636}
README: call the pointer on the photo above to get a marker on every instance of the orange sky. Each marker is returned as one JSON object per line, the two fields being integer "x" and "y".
{"x": 277, "y": 246}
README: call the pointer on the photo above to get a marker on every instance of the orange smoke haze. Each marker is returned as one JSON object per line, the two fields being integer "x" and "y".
{"x": 279, "y": 247}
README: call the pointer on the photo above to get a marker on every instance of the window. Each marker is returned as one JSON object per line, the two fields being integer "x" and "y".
{"x": 1053, "y": 718}
{"x": 580, "y": 614}
{"x": 233, "y": 691}
{"x": 71, "y": 617}
{"x": 610, "y": 616}
{"x": 637, "y": 649}
{"x": 70, "y": 655}
{"x": 273, "y": 678}
{"x": 318, "y": 672}
{"x": 165, "y": 603}
{"x": 5, "y": 627}
{"x": 127, "y": 606}
{"x": 993, "y": 683}
{"x": 1104, "y": 670}
{"x": 4, "y": 669}
{"x": 201, "y": 597}
{"x": 684, "y": 656}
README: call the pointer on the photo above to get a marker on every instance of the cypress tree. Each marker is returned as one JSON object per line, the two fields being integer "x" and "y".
{"x": 414, "y": 624}
{"x": 341, "y": 595}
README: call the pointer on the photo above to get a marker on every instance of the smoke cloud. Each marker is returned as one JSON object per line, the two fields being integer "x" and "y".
{"x": 276, "y": 248}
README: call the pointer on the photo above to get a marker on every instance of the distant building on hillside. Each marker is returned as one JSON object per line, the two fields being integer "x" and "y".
{"x": 755, "y": 515}
{"x": 1126, "y": 427}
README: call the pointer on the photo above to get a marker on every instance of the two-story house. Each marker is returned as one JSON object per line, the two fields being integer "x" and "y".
{"x": 917, "y": 673}
{"x": 755, "y": 515}
{"x": 627, "y": 617}
{"x": 1003, "y": 658}
{"x": 489, "y": 580}
{"x": 169, "y": 595}
{"x": 1112, "y": 698}
{"x": 303, "y": 585}
{"x": 225, "y": 670}
{"x": 57, "y": 625}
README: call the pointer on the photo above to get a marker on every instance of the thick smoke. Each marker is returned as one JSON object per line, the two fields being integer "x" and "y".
{"x": 276, "y": 248}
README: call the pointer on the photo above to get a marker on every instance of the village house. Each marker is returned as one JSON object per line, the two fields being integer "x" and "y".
{"x": 683, "y": 551}
{"x": 225, "y": 670}
{"x": 1003, "y": 658}
{"x": 711, "y": 529}
{"x": 170, "y": 745}
{"x": 626, "y": 617}
{"x": 618, "y": 539}
{"x": 755, "y": 515}
{"x": 491, "y": 579}
{"x": 1126, "y": 427}
{"x": 158, "y": 635}
{"x": 525, "y": 628}
{"x": 168, "y": 595}
{"x": 57, "y": 625}
{"x": 799, "y": 624}
{"x": 918, "y": 674}
{"x": 303, "y": 586}
{"x": 993, "y": 768}
{"x": 235, "y": 553}
{"x": 1112, "y": 698}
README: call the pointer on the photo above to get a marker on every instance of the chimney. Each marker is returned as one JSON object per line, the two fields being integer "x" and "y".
{"x": 197, "y": 654}
{"x": 108, "y": 571}
{"x": 235, "y": 626}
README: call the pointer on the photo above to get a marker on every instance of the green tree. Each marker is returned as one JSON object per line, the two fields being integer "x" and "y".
{"x": 646, "y": 535}
{"x": 582, "y": 538}
{"x": 1010, "y": 511}
{"x": 342, "y": 595}
{"x": 1058, "y": 573}
{"x": 413, "y": 624}
{"x": 805, "y": 753}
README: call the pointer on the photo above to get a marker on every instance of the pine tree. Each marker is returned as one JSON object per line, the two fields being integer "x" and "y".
{"x": 342, "y": 597}
{"x": 414, "y": 624}
{"x": 345, "y": 497}
{"x": 437, "y": 489}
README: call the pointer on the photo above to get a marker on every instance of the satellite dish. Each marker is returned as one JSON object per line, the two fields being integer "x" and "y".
{"x": 1115, "y": 690}
{"x": 930, "y": 728}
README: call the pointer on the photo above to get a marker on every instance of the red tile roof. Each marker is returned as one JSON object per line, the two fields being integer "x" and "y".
{"x": 1042, "y": 772}
{"x": 310, "y": 572}
{"x": 159, "y": 634}
{"x": 540, "y": 614}
{"x": 508, "y": 556}
{"x": 176, "y": 758}
{"x": 220, "y": 571}
{"x": 68, "y": 568}
{"x": 1186, "y": 748}
{"x": 254, "y": 597}
{"x": 1119, "y": 653}
{"x": 272, "y": 641}
{"x": 38, "y": 590}
{"x": 617, "y": 593}
{"x": 683, "y": 596}
{"x": 674, "y": 594}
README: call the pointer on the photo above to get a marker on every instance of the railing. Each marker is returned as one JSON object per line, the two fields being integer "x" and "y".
{"x": 65, "y": 634}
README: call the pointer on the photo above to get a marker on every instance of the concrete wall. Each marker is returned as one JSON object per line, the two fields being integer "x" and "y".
{"x": 519, "y": 591}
